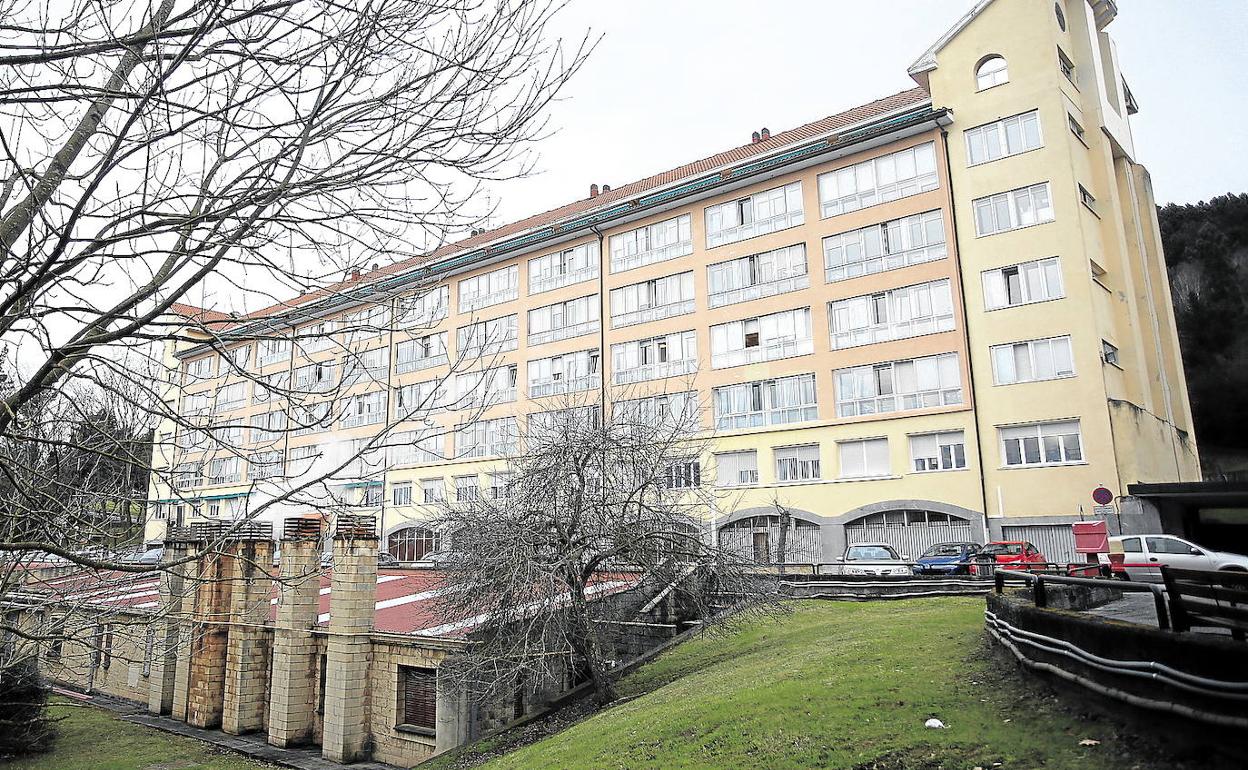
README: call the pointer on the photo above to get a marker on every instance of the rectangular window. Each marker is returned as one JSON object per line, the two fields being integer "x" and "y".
{"x": 492, "y": 288}
{"x": 652, "y": 300}
{"x": 467, "y": 489}
{"x": 564, "y": 320}
{"x": 410, "y": 401}
{"x": 911, "y": 311}
{"x": 272, "y": 351}
{"x": 315, "y": 336}
{"x": 1003, "y": 138}
{"x": 432, "y": 491}
{"x": 563, "y": 268}
{"x": 797, "y": 463}
{"x": 1046, "y": 443}
{"x": 683, "y": 474}
{"x": 365, "y": 409}
{"x": 1012, "y": 210}
{"x": 659, "y": 242}
{"x": 365, "y": 324}
{"x": 240, "y": 357}
{"x": 401, "y": 494}
{"x": 567, "y": 373}
{"x": 231, "y": 397}
{"x": 225, "y": 470}
{"x": 188, "y": 475}
{"x": 422, "y": 352}
{"x": 418, "y": 698}
{"x": 758, "y": 214}
{"x": 196, "y": 404}
{"x": 500, "y": 485}
{"x": 1023, "y": 284}
{"x": 880, "y": 180}
{"x": 264, "y": 465}
{"x": 1086, "y": 199}
{"x": 766, "y": 338}
{"x": 892, "y": 245}
{"x": 898, "y": 386}
{"x": 1067, "y": 67}
{"x": 202, "y": 368}
{"x": 778, "y": 271}
{"x": 938, "y": 451}
{"x": 766, "y": 402}
{"x": 1109, "y": 353}
{"x": 315, "y": 378}
{"x": 671, "y": 409}
{"x": 269, "y": 387}
{"x": 559, "y": 422}
{"x": 488, "y": 338}
{"x": 736, "y": 469}
{"x": 410, "y": 447}
{"x": 655, "y": 358}
{"x": 486, "y": 438}
{"x": 475, "y": 390}
{"x": 268, "y": 426}
{"x": 1032, "y": 361}
{"x": 371, "y": 495}
{"x": 1076, "y": 128}
{"x": 366, "y": 366}
{"x": 424, "y": 310}
{"x": 302, "y": 458}
{"x": 864, "y": 459}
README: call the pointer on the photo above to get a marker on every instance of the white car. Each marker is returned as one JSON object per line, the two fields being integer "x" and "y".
{"x": 1143, "y": 556}
{"x": 873, "y": 559}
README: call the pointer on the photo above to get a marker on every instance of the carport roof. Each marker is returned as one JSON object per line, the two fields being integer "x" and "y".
{"x": 1199, "y": 492}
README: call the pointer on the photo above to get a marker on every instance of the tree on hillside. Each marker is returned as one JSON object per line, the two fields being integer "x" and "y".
{"x": 587, "y": 507}
{"x": 1206, "y": 246}
{"x": 158, "y": 154}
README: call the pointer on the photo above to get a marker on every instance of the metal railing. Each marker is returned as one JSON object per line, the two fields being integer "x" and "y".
{"x": 1038, "y": 580}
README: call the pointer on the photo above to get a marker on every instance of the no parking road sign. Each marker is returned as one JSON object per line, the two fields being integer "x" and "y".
{"x": 1102, "y": 496}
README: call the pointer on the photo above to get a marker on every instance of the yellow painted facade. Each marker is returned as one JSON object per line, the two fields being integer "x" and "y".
{"x": 1134, "y": 421}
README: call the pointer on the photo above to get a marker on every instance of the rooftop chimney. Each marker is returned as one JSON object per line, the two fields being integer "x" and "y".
{"x": 593, "y": 191}
{"x": 606, "y": 188}
{"x": 754, "y": 137}
{"x": 355, "y": 274}
{"x": 765, "y": 134}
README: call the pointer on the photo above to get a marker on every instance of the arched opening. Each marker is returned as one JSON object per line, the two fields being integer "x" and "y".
{"x": 910, "y": 532}
{"x": 411, "y": 543}
{"x": 992, "y": 71}
{"x": 758, "y": 538}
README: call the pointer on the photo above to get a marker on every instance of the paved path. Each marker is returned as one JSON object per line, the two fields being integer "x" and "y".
{"x": 253, "y": 745}
{"x": 1140, "y": 608}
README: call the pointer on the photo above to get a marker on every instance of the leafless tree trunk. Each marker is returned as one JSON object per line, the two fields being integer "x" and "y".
{"x": 233, "y": 153}
{"x": 597, "y": 517}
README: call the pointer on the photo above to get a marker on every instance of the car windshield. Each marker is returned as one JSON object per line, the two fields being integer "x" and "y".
{"x": 944, "y": 549}
{"x": 870, "y": 553}
{"x": 1002, "y": 549}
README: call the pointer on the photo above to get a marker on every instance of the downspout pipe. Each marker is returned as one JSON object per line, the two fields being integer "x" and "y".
{"x": 602, "y": 324}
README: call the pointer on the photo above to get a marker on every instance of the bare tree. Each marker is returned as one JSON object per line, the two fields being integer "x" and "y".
{"x": 234, "y": 153}
{"x": 595, "y": 518}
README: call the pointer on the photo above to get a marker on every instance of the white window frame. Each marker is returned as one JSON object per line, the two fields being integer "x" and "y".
{"x": 565, "y": 373}
{"x": 797, "y": 464}
{"x": 938, "y": 452}
{"x": 1039, "y": 280}
{"x": 755, "y": 276}
{"x": 419, "y": 311}
{"x": 430, "y": 347}
{"x": 891, "y": 245}
{"x": 658, "y": 298}
{"x": 873, "y": 453}
{"x": 901, "y": 313}
{"x": 490, "y": 288}
{"x": 564, "y": 320}
{"x": 563, "y": 268}
{"x": 879, "y": 180}
{"x": 1054, "y": 353}
{"x": 986, "y": 78}
{"x": 1045, "y": 437}
{"x": 875, "y": 389}
{"x": 736, "y": 469}
{"x": 760, "y": 397}
{"x": 654, "y": 358}
{"x": 401, "y": 493}
{"x": 488, "y": 337}
{"x": 365, "y": 409}
{"x": 658, "y": 242}
{"x": 775, "y": 336}
{"x": 768, "y": 211}
{"x": 1003, "y": 138}
{"x": 1013, "y": 209}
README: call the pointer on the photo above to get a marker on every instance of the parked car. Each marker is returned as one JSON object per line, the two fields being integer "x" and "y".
{"x": 947, "y": 559}
{"x": 1006, "y": 554}
{"x": 873, "y": 559}
{"x": 1143, "y": 556}
{"x": 139, "y": 555}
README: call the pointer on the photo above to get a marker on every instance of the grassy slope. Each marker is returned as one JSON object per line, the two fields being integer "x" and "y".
{"x": 94, "y": 739}
{"x": 834, "y": 685}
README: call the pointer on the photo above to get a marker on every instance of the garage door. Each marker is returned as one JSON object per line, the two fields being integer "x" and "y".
{"x": 757, "y": 539}
{"x": 1055, "y": 541}
{"x": 910, "y": 532}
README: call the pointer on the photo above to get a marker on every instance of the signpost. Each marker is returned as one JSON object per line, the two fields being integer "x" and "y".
{"x": 1102, "y": 496}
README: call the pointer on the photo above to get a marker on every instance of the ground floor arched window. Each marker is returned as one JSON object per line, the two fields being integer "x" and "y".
{"x": 758, "y": 538}
{"x": 910, "y": 532}
{"x": 411, "y": 543}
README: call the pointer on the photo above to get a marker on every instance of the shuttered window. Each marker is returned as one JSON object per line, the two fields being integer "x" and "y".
{"x": 418, "y": 691}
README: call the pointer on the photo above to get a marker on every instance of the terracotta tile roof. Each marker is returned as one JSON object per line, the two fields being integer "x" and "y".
{"x": 199, "y": 314}
{"x": 879, "y": 107}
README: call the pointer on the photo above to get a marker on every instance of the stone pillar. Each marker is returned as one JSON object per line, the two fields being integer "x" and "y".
{"x": 188, "y": 627}
{"x": 353, "y": 596}
{"x": 247, "y": 645}
{"x": 292, "y": 698}
{"x": 167, "y": 628}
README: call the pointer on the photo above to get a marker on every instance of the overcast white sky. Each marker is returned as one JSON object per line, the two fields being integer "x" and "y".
{"x": 673, "y": 81}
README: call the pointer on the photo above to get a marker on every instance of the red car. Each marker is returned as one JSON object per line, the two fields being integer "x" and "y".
{"x": 1006, "y": 554}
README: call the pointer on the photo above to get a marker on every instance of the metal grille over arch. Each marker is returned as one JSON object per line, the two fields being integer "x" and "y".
{"x": 411, "y": 543}
{"x": 911, "y": 532}
{"x": 758, "y": 538}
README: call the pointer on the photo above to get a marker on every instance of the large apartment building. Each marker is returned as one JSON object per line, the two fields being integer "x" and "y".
{"x": 943, "y": 315}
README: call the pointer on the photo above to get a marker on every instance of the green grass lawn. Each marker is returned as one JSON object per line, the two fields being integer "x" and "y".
{"x": 94, "y": 739}
{"x": 834, "y": 685}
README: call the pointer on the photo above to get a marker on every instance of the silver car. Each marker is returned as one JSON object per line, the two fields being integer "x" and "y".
{"x": 1143, "y": 556}
{"x": 873, "y": 559}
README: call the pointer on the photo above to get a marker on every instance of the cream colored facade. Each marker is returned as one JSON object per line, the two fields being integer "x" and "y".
{"x": 1132, "y": 414}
